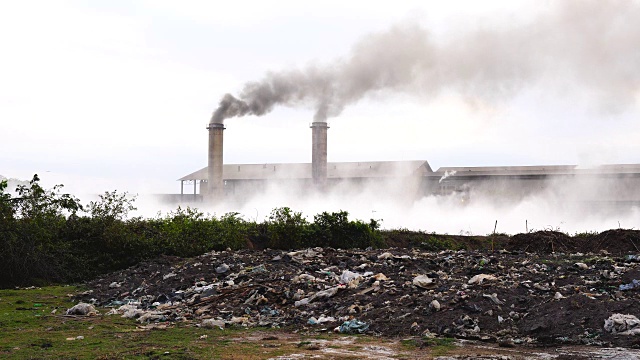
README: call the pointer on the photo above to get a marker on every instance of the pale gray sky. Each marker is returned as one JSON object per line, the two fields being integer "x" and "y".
{"x": 117, "y": 94}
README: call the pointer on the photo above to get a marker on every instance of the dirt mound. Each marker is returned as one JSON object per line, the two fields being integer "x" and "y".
{"x": 508, "y": 296}
{"x": 617, "y": 241}
{"x": 543, "y": 242}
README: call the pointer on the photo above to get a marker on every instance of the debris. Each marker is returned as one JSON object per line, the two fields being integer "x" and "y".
{"x": 478, "y": 279}
{"x": 423, "y": 281}
{"x": 634, "y": 258}
{"x": 632, "y": 285}
{"x": 353, "y": 326}
{"x": 168, "y": 276}
{"x": 82, "y": 309}
{"x": 622, "y": 324}
{"x": 222, "y": 269}
{"x": 494, "y": 298}
{"x": 213, "y": 324}
{"x": 506, "y": 294}
{"x": 581, "y": 266}
{"x": 380, "y": 277}
{"x": 348, "y": 276}
{"x": 321, "y": 320}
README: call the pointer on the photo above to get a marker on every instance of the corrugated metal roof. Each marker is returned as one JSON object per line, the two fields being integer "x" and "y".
{"x": 373, "y": 169}
{"x": 506, "y": 170}
{"x": 338, "y": 170}
{"x": 539, "y": 170}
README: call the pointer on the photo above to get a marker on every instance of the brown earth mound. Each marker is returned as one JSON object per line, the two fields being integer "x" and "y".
{"x": 542, "y": 288}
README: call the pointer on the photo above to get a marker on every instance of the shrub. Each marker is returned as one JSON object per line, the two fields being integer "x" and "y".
{"x": 335, "y": 230}
{"x": 287, "y": 229}
{"x": 30, "y": 246}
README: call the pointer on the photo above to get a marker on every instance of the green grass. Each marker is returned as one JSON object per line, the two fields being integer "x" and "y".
{"x": 441, "y": 346}
{"x": 29, "y": 330}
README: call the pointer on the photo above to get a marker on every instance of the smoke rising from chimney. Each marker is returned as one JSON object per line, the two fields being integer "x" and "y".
{"x": 590, "y": 47}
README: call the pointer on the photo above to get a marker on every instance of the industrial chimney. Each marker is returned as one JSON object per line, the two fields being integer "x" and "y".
{"x": 319, "y": 154}
{"x": 215, "y": 185}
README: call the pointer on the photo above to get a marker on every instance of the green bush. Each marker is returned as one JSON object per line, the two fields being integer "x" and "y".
{"x": 287, "y": 229}
{"x": 335, "y": 230}
{"x": 47, "y": 236}
{"x": 30, "y": 247}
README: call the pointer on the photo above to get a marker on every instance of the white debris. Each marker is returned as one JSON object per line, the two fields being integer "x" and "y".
{"x": 222, "y": 269}
{"x": 581, "y": 266}
{"x": 325, "y": 293}
{"x": 213, "y": 324}
{"x": 169, "y": 276}
{"x": 349, "y": 276}
{"x": 380, "y": 277}
{"x": 303, "y": 278}
{"x": 478, "y": 279}
{"x": 82, "y": 309}
{"x": 494, "y": 298}
{"x": 622, "y": 324}
{"x": 423, "y": 281}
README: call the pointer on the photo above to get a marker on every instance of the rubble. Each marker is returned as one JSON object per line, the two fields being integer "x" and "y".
{"x": 82, "y": 309}
{"x": 507, "y": 297}
{"x": 622, "y": 324}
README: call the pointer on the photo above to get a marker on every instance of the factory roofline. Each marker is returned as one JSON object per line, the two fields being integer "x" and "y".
{"x": 381, "y": 169}
{"x": 337, "y": 170}
{"x": 542, "y": 170}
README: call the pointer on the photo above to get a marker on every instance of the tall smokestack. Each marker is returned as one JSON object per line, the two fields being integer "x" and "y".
{"x": 215, "y": 185}
{"x": 319, "y": 153}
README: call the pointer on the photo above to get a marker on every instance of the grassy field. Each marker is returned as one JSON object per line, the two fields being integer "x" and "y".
{"x": 33, "y": 325}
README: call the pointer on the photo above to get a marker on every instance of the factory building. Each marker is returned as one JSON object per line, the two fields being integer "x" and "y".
{"x": 218, "y": 181}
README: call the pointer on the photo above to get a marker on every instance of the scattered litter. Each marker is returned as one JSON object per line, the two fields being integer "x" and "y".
{"x": 581, "y": 266}
{"x": 518, "y": 295}
{"x": 168, "y": 276}
{"x": 348, "y": 276}
{"x": 494, "y": 298}
{"x": 321, "y": 320}
{"x": 222, "y": 269}
{"x": 622, "y": 324}
{"x": 212, "y": 324}
{"x": 82, "y": 309}
{"x": 353, "y": 326}
{"x": 423, "y": 281}
{"x": 632, "y": 285}
{"x": 478, "y": 279}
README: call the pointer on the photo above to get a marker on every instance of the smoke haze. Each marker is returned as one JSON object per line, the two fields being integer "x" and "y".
{"x": 578, "y": 46}
{"x": 562, "y": 206}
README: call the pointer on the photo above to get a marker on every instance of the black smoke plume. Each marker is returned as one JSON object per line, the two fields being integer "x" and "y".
{"x": 591, "y": 47}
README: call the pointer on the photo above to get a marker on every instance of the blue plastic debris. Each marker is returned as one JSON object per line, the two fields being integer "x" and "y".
{"x": 353, "y": 326}
{"x": 632, "y": 285}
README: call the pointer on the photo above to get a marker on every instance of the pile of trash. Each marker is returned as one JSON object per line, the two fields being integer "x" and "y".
{"x": 508, "y": 297}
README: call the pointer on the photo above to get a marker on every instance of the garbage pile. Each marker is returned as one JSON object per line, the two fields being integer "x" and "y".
{"x": 508, "y": 297}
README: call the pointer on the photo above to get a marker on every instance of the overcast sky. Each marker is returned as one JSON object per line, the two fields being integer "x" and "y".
{"x": 117, "y": 94}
